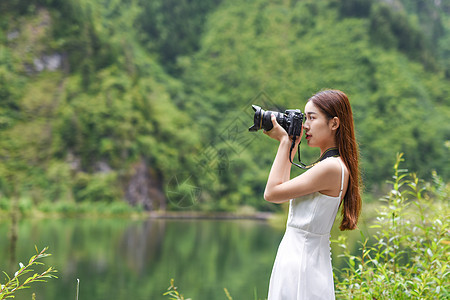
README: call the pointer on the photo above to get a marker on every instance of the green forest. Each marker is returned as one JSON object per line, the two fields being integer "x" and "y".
{"x": 149, "y": 102}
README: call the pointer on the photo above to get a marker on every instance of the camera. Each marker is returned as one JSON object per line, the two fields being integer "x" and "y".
{"x": 291, "y": 120}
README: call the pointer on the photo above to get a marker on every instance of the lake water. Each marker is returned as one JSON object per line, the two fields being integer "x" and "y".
{"x": 135, "y": 259}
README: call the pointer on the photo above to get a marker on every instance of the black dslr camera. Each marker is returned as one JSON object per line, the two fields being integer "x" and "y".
{"x": 291, "y": 120}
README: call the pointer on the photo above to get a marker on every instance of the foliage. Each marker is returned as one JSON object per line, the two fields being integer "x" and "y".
{"x": 408, "y": 255}
{"x": 72, "y": 209}
{"x": 14, "y": 284}
{"x": 167, "y": 85}
{"x": 392, "y": 29}
{"x": 167, "y": 30}
{"x": 172, "y": 291}
{"x": 292, "y": 52}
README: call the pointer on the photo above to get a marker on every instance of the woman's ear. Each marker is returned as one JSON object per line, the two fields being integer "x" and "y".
{"x": 335, "y": 123}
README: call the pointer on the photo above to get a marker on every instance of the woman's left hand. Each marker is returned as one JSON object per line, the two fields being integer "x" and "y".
{"x": 277, "y": 132}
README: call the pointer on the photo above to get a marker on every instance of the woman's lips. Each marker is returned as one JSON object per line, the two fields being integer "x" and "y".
{"x": 308, "y": 136}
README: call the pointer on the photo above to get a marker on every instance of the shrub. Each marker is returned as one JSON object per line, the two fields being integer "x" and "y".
{"x": 174, "y": 294}
{"x": 4, "y": 203}
{"x": 408, "y": 256}
{"x": 15, "y": 283}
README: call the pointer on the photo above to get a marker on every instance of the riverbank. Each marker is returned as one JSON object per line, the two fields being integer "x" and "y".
{"x": 263, "y": 216}
{"x": 25, "y": 209}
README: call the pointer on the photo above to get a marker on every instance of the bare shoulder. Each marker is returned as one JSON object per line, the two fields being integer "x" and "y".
{"x": 331, "y": 172}
{"x": 331, "y": 166}
{"x": 324, "y": 173}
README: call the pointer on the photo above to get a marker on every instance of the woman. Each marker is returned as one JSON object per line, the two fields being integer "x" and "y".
{"x": 302, "y": 268}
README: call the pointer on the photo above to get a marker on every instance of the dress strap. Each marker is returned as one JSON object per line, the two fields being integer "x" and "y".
{"x": 342, "y": 178}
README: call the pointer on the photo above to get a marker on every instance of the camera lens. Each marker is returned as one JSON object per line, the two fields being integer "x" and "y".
{"x": 262, "y": 119}
{"x": 291, "y": 120}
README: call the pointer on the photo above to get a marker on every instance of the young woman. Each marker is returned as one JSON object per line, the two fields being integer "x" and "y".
{"x": 302, "y": 268}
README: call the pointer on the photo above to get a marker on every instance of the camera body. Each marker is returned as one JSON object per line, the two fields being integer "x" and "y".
{"x": 291, "y": 120}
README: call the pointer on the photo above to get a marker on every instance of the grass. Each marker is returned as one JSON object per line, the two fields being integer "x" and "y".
{"x": 72, "y": 209}
{"x": 408, "y": 256}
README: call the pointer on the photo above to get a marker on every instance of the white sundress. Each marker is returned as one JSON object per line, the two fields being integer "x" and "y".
{"x": 302, "y": 269}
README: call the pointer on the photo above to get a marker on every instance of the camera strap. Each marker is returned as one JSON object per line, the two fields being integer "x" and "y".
{"x": 331, "y": 152}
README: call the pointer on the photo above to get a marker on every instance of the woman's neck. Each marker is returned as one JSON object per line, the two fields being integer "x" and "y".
{"x": 324, "y": 148}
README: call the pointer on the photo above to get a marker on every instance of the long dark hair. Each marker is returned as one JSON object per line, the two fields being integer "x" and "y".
{"x": 334, "y": 103}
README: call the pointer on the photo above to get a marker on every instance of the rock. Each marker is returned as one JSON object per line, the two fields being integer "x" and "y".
{"x": 144, "y": 188}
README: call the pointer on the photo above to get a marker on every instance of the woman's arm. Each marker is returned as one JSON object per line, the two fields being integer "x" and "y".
{"x": 281, "y": 168}
{"x": 280, "y": 171}
{"x": 324, "y": 177}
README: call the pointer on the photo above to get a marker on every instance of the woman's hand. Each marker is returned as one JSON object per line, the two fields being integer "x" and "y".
{"x": 277, "y": 132}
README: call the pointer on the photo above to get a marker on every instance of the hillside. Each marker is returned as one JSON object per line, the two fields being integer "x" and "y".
{"x": 150, "y": 101}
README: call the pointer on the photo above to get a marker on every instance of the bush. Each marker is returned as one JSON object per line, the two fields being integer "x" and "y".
{"x": 4, "y": 203}
{"x": 25, "y": 205}
{"x": 174, "y": 294}
{"x": 16, "y": 283}
{"x": 408, "y": 256}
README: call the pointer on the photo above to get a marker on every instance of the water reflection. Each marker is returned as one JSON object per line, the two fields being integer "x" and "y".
{"x": 123, "y": 259}
{"x": 142, "y": 242}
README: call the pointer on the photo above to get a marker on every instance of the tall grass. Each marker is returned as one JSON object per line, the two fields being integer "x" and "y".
{"x": 408, "y": 256}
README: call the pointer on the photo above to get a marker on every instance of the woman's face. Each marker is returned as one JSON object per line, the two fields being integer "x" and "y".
{"x": 318, "y": 128}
